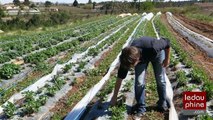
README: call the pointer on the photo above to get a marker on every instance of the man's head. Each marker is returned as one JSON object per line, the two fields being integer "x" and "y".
{"x": 129, "y": 57}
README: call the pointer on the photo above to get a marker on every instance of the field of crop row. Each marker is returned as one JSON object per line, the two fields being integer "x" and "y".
{"x": 70, "y": 73}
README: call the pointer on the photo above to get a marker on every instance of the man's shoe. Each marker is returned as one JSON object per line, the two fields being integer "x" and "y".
{"x": 138, "y": 116}
{"x": 134, "y": 109}
{"x": 161, "y": 109}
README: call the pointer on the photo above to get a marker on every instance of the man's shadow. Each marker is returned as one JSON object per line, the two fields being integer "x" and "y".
{"x": 100, "y": 109}
{"x": 131, "y": 110}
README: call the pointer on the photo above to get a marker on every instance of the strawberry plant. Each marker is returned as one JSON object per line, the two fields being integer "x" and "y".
{"x": 58, "y": 82}
{"x": 118, "y": 110}
{"x": 198, "y": 76}
{"x": 41, "y": 66}
{"x": 204, "y": 117}
{"x": 107, "y": 89}
{"x": 128, "y": 85}
{"x": 208, "y": 87}
{"x": 42, "y": 99}
{"x": 93, "y": 72}
{"x": 67, "y": 67}
{"x": 51, "y": 90}
{"x": 29, "y": 95}
{"x": 8, "y": 70}
{"x": 181, "y": 77}
{"x": 31, "y": 106}
{"x": 81, "y": 66}
{"x": 173, "y": 62}
{"x": 9, "y": 109}
{"x": 189, "y": 63}
{"x": 189, "y": 88}
{"x": 93, "y": 52}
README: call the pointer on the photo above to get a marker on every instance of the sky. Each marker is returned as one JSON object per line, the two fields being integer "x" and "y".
{"x": 70, "y": 1}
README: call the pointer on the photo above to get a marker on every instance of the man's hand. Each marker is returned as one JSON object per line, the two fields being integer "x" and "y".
{"x": 165, "y": 63}
{"x": 167, "y": 58}
{"x": 115, "y": 94}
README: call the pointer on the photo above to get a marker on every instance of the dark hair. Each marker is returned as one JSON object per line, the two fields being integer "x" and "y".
{"x": 129, "y": 56}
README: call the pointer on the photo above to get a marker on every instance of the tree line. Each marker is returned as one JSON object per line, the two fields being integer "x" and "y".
{"x": 35, "y": 21}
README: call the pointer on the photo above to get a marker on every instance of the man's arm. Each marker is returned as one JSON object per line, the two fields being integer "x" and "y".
{"x": 115, "y": 94}
{"x": 167, "y": 57}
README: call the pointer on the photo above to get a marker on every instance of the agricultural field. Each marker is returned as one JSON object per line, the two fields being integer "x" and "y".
{"x": 70, "y": 73}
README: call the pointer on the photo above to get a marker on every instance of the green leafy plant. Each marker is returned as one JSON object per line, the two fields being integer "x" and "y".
{"x": 204, "y": 117}
{"x": 118, "y": 110}
{"x": 8, "y": 70}
{"x": 51, "y": 90}
{"x": 58, "y": 82}
{"x": 29, "y": 95}
{"x": 31, "y": 106}
{"x": 81, "y": 66}
{"x": 127, "y": 86}
{"x": 9, "y": 109}
{"x": 67, "y": 67}
{"x": 42, "y": 66}
{"x": 107, "y": 89}
{"x": 208, "y": 87}
{"x": 181, "y": 77}
{"x": 189, "y": 88}
{"x": 93, "y": 52}
{"x": 198, "y": 75}
{"x": 173, "y": 61}
{"x": 93, "y": 72}
{"x": 42, "y": 99}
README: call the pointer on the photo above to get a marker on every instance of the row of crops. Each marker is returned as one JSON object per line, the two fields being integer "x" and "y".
{"x": 184, "y": 74}
{"x": 45, "y": 92}
{"x": 53, "y": 43}
{"x": 94, "y": 47}
{"x": 8, "y": 69}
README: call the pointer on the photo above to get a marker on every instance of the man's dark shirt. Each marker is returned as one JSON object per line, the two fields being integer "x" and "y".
{"x": 149, "y": 48}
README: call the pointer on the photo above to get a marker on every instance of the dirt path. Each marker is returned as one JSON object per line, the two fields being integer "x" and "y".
{"x": 195, "y": 53}
{"x": 196, "y": 26}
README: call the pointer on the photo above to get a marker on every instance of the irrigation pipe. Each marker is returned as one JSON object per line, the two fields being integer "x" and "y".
{"x": 169, "y": 92}
{"x": 80, "y": 107}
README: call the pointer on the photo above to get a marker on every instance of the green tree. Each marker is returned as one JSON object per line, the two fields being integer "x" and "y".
{"x": 147, "y": 5}
{"x": 26, "y": 2}
{"x": 90, "y": 2}
{"x": 32, "y": 5}
{"x": 2, "y": 14}
{"x": 34, "y": 21}
{"x": 75, "y": 3}
{"x": 93, "y": 5}
{"x": 16, "y": 2}
{"x": 47, "y": 4}
{"x": 135, "y": 2}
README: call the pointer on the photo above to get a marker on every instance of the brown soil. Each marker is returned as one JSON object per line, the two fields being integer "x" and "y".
{"x": 102, "y": 58}
{"x": 61, "y": 105}
{"x": 207, "y": 7}
{"x": 196, "y": 26}
{"x": 198, "y": 56}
